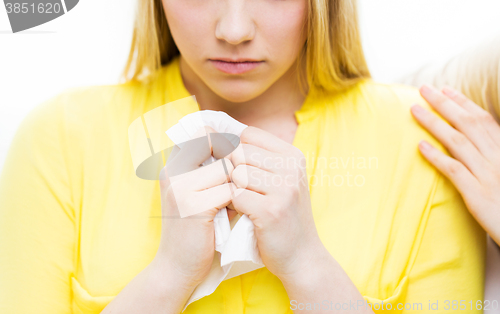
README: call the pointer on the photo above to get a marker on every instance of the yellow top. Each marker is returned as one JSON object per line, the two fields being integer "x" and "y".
{"x": 77, "y": 224}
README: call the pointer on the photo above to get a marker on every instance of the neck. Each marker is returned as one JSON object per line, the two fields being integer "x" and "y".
{"x": 273, "y": 110}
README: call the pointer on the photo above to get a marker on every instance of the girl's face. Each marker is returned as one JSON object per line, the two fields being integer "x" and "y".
{"x": 238, "y": 48}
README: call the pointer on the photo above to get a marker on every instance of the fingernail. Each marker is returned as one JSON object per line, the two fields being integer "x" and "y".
{"x": 424, "y": 145}
{"x": 417, "y": 109}
{"x": 449, "y": 92}
{"x": 426, "y": 89}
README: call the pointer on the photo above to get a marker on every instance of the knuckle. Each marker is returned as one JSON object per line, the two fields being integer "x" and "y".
{"x": 237, "y": 156}
{"x": 239, "y": 176}
{"x": 247, "y": 134}
{"x": 294, "y": 191}
{"x": 275, "y": 212}
{"x": 454, "y": 168}
{"x": 492, "y": 171}
{"x": 458, "y": 139}
{"x": 467, "y": 118}
{"x": 432, "y": 120}
{"x": 439, "y": 101}
{"x": 486, "y": 117}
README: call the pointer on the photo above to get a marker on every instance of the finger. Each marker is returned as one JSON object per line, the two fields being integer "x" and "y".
{"x": 260, "y": 138}
{"x": 461, "y": 100}
{"x": 248, "y": 202}
{"x": 247, "y": 154}
{"x": 454, "y": 170}
{"x": 252, "y": 178}
{"x": 214, "y": 174}
{"x": 461, "y": 120}
{"x": 443, "y": 105}
{"x": 193, "y": 203}
{"x": 188, "y": 156}
{"x": 217, "y": 197}
{"x": 455, "y": 142}
{"x": 484, "y": 117}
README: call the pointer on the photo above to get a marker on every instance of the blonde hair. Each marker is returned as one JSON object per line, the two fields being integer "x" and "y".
{"x": 333, "y": 50}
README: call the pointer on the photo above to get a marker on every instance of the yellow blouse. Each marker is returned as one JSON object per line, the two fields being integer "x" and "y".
{"x": 77, "y": 224}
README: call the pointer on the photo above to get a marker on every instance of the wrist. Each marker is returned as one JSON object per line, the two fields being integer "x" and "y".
{"x": 168, "y": 281}
{"x": 312, "y": 260}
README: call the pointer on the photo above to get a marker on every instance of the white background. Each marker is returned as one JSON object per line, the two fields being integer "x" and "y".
{"x": 89, "y": 46}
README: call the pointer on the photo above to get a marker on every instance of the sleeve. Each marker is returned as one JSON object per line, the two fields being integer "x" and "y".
{"x": 448, "y": 272}
{"x": 37, "y": 218}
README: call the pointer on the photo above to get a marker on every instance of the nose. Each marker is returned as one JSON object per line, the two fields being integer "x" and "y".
{"x": 235, "y": 26}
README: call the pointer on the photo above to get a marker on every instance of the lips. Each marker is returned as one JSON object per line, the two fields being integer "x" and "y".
{"x": 238, "y": 66}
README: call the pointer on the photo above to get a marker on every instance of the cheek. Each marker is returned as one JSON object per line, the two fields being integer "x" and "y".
{"x": 283, "y": 28}
{"x": 189, "y": 22}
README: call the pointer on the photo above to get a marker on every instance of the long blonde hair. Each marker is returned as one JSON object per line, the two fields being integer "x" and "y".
{"x": 333, "y": 51}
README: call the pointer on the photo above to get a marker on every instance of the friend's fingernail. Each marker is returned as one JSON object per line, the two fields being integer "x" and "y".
{"x": 426, "y": 89}
{"x": 424, "y": 145}
{"x": 417, "y": 109}
{"x": 449, "y": 92}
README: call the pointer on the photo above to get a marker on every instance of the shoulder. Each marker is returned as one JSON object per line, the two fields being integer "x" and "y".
{"x": 380, "y": 97}
{"x": 382, "y": 109}
{"x": 135, "y": 97}
{"x": 375, "y": 119}
{"x": 391, "y": 96}
{"x": 83, "y": 107}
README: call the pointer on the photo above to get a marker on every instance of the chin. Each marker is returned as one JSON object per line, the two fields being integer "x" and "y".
{"x": 239, "y": 92}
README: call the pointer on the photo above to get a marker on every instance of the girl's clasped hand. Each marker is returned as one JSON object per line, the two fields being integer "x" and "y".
{"x": 267, "y": 181}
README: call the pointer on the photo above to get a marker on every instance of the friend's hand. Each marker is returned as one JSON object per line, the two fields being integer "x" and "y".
{"x": 273, "y": 191}
{"x": 473, "y": 139}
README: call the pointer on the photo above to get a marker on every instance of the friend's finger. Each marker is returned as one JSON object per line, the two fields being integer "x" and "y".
{"x": 483, "y": 116}
{"x": 455, "y": 142}
{"x": 461, "y": 120}
{"x": 451, "y": 168}
{"x": 443, "y": 105}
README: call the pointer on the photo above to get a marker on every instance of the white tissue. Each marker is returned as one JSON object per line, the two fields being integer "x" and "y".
{"x": 236, "y": 249}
